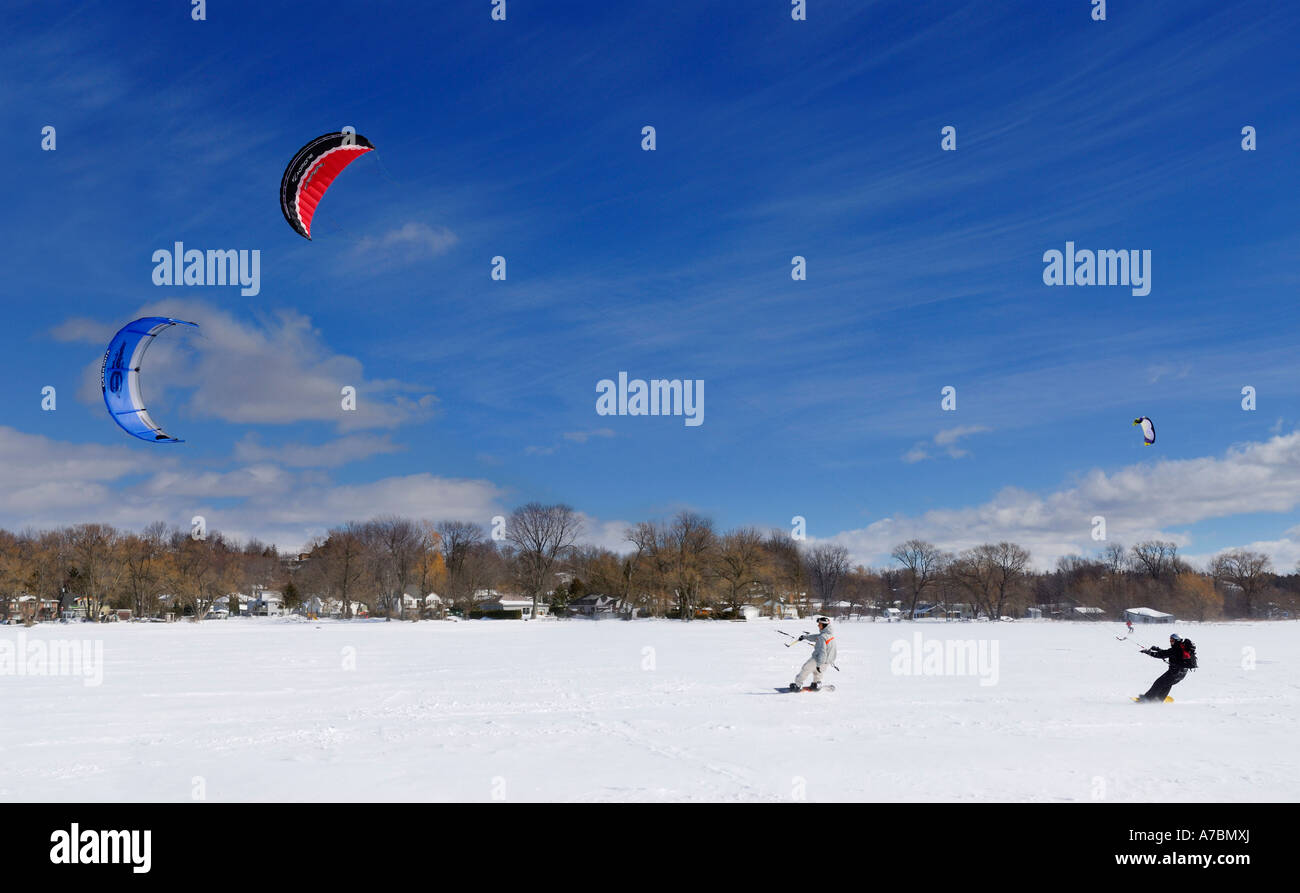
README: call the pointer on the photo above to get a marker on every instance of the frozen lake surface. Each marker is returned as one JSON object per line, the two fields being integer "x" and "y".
{"x": 273, "y": 709}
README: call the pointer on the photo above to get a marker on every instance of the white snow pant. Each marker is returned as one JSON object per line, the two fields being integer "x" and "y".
{"x": 809, "y": 666}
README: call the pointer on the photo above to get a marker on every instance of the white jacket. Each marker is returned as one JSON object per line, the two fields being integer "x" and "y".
{"x": 823, "y": 646}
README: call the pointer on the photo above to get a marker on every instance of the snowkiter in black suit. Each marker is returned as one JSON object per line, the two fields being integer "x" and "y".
{"x": 1181, "y": 655}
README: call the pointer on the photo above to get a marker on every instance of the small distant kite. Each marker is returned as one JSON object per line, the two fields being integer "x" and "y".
{"x": 312, "y": 171}
{"x": 1148, "y": 430}
{"x": 119, "y": 378}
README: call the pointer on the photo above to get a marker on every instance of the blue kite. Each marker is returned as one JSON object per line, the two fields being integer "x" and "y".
{"x": 119, "y": 378}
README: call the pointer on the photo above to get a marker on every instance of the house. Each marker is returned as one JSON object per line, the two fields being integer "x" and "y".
{"x": 891, "y": 615}
{"x": 266, "y": 603}
{"x": 958, "y": 612}
{"x": 777, "y": 609}
{"x": 168, "y": 604}
{"x": 1034, "y": 613}
{"x": 429, "y": 606}
{"x": 1147, "y": 615}
{"x": 1082, "y": 613}
{"x": 1057, "y": 611}
{"x": 593, "y": 605}
{"x": 334, "y": 608}
{"x": 30, "y": 609}
{"x": 502, "y": 607}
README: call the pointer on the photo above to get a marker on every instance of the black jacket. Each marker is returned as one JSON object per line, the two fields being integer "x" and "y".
{"x": 1179, "y": 655}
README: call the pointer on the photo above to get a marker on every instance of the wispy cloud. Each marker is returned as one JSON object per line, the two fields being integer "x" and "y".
{"x": 407, "y": 244}
{"x": 584, "y": 436}
{"x": 572, "y": 437}
{"x": 947, "y": 439}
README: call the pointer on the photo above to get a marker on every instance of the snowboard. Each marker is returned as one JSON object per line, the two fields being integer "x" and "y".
{"x": 786, "y": 689}
{"x": 1168, "y": 700}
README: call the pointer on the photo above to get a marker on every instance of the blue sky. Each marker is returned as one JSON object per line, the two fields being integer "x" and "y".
{"x": 775, "y": 138}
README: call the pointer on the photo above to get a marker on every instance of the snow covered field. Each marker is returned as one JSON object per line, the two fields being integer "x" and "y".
{"x": 291, "y": 710}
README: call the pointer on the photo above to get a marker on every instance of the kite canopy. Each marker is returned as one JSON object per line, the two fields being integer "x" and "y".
{"x": 119, "y": 377}
{"x": 1148, "y": 430}
{"x": 312, "y": 171}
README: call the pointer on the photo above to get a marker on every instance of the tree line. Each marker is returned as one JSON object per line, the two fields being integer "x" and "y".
{"x": 681, "y": 567}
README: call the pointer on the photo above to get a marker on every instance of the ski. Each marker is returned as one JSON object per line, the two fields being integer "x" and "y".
{"x": 1168, "y": 700}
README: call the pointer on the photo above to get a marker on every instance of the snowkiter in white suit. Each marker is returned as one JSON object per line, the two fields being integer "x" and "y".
{"x": 823, "y": 655}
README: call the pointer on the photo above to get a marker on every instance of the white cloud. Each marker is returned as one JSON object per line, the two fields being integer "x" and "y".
{"x": 351, "y": 448}
{"x": 607, "y": 534}
{"x": 82, "y": 329}
{"x": 47, "y": 483}
{"x": 1138, "y": 502}
{"x": 38, "y": 474}
{"x": 274, "y": 369}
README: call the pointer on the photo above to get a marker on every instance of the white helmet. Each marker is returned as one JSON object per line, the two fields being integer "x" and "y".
{"x": 823, "y": 621}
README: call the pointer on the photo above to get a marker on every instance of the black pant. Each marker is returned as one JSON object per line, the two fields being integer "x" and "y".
{"x": 1160, "y": 688}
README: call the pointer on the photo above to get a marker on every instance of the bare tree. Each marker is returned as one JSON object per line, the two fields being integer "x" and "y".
{"x": 1158, "y": 559}
{"x": 690, "y": 546}
{"x": 651, "y": 561}
{"x": 542, "y": 536}
{"x": 1249, "y": 571}
{"x": 94, "y": 551}
{"x": 991, "y": 573}
{"x": 401, "y": 544}
{"x": 1115, "y": 558}
{"x": 143, "y": 566}
{"x": 827, "y": 565}
{"x": 340, "y": 564}
{"x": 922, "y": 563}
{"x": 741, "y": 564}
{"x": 199, "y": 571}
{"x": 459, "y": 540}
{"x": 786, "y": 574}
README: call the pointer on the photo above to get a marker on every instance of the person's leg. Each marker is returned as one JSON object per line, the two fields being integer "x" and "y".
{"x": 809, "y": 666}
{"x": 1160, "y": 688}
{"x": 1175, "y": 677}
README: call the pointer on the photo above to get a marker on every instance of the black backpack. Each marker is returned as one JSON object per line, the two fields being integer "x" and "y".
{"x": 1188, "y": 648}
